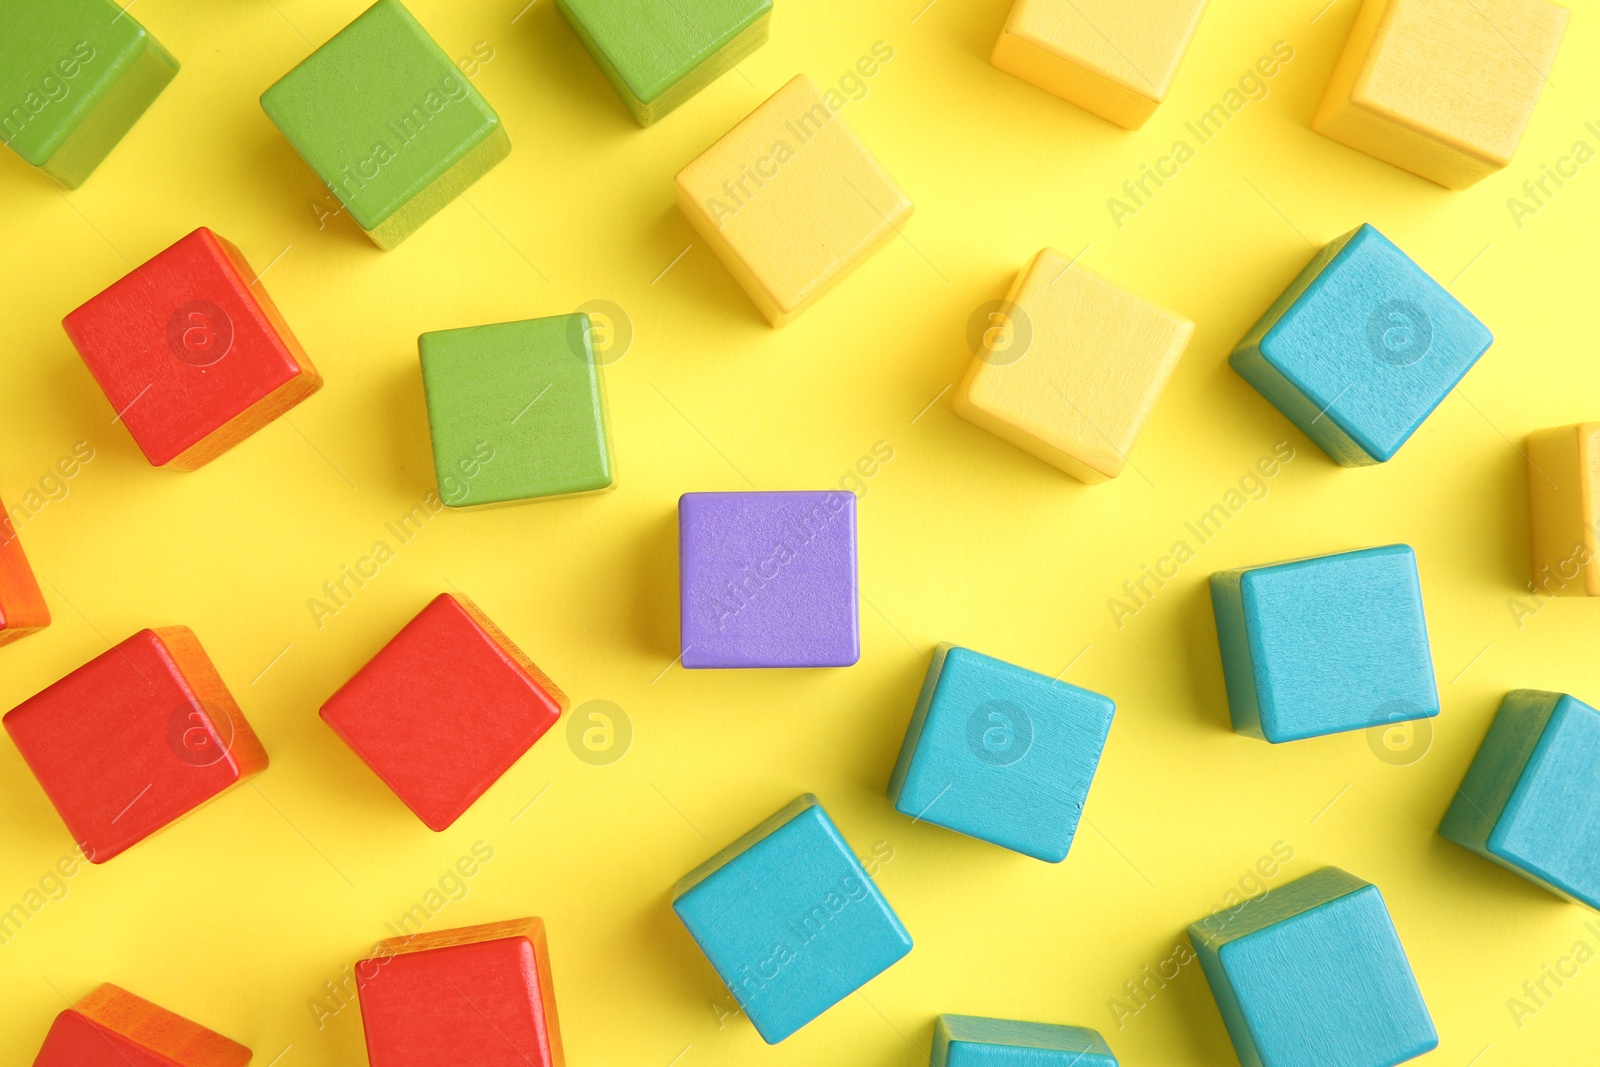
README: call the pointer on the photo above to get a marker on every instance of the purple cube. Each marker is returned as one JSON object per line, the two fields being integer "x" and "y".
{"x": 768, "y": 579}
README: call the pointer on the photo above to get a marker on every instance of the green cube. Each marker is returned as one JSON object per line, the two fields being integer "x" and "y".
{"x": 387, "y": 122}
{"x": 516, "y": 411}
{"x": 75, "y": 75}
{"x": 659, "y": 53}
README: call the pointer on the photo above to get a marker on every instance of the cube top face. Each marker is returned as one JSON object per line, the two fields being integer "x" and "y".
{"x": 380, "y": 112}
{"x": 1335, "y": 643}
{"x": 135, "y": 739}
{"x": 768, "y": 579}
{"x": 516, "y": 411}
{"x": 1085, "y": 377}
{"x": 1001, "y": 753}
{"x": 1138, "y": 45}
{"x": 790, "y": 919}
{"x": 113, "y": 1028}
{"x": 972, "y": 1041}
{"x": 444, "y": 710}
{"x": 1550, "y": 826}
{"x": 791, "y": 200}
{"x": 191, "y": 352}
{"x": 22, "y": 606}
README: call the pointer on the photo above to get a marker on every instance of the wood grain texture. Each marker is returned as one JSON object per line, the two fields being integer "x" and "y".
{"x": 973, "y": 1041}
{"x": 1313, "y": 974}
{"x": 111, "y": 1027}
{"x": 1564, "y": 510}
{"x": 1092, "y": 362}
{"x": 1442, "y": 88}
{"x": 1114, "y": 58}
{"x": 791, "y": 200}
{"x": 22, "y": 605}
{"x": 1531, "y": 799}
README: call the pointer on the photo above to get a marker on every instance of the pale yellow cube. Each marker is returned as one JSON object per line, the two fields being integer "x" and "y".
{"x": 790, "y": 200}
{"x": 1442, "y": 88}
{"x": 1072, "y": 367}
{"x": 1563, "y": 471}
{"x": 1116, "y": 58}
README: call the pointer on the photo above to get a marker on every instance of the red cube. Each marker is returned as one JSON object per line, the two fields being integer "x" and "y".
{"x": 479, "y": 995}
{"x": 444, "y": 709}
{"x": 22, "y": 606}
{"x": 113, "y": 1028}
{"x": 191, "y": 352}
{"x": 135, "y": 739}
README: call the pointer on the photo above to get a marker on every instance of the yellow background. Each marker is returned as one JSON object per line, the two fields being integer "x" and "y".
{"x": 238, "y": 916}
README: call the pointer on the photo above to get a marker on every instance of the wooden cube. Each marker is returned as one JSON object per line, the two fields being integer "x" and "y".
{"x": 1564, "y": 506}
{"x": 1000, "y": 753}
{"x": 1315, "y": 974}
{"x": 1442, "y": 88}
{"x": 192, "y": 352}
{"x": 657, "y": 54}
{"x": 135, "y": 739}
{"x": 516, "y": 411}
{"x": 22, "y": 607}
{"x": 113, "y": 1028}
{"x": 1114, "y": 58}
{"x": 480, "y": 995}
{"x": 790, "y": 919}
{"x": 1360, "y": 348}
{"x": 388, "y": 122}
{"x": 791, "y": 201}
{"x": 973, "y": 1041}
{"x": 75, "y": 75}
{"x": 1084, "y": 364}
{"x": 1531, "y": 799}
{"x": 444, "y": 709}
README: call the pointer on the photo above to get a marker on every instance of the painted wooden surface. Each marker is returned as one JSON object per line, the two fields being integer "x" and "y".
{"x": 1000, "y": 753}
{"x": 388, "y": 122}
{"x": 1321, "y": 645}
{"x": 790, "y": 200}
{"x": 1072, "y": 367}
{"x": 1114, "y": 58}
{"x": 480, "y": 995}
{"x": 973, "y": 1041}
{"x": 1442, "y": 88}
{"x": 75, "y": 75}
{"x": 444, "y": 709}
{"x": 789, "y": 919}
{"x": 135, "y": 739}
{"x": 1531, "y": 799}
{"x": 191, "y": 352}
{"x": 1360, "y": 348}
{"x": 1313, "y": 974}
{"x": 516, "y": 411}
{"x": 657, "y": 54}
{"x": 111, "y": 1027}
{"x": 22, "y": 606}
{"x": 768, "y": 579}
{"x": 1564, "y": 511}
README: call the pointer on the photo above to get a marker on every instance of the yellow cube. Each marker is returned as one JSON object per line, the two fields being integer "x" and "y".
{"x": 1071, "y": 367}
{"x": 1563, "y": 469}
{"x": 1442, "y": 88}
{"x": 790, "y": 200}
{"x": 1116, "y": 58}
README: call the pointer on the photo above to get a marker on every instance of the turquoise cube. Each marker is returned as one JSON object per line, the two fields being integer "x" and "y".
{"x": 1322, "y": 645}
{"x": 1313, "y": 974}
{"x": 790, "y": 919}
{"x": 1360, "y": 348}
{"x": 1531, "y": 799}
{"x": 971, "y": 1041}
{"x": 1000, "y": 753}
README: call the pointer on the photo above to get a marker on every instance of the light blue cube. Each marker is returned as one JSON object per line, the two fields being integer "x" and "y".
{"x": 1360, "y": 348}
{"x": 1321, "y": 645}
{"x": 972, "y": 1041}
{"x": 1313, "y": 974}
{"x": 1000, "y": 753}
{"x": 1531, "y": 799}
{"x": 790, "y": 919}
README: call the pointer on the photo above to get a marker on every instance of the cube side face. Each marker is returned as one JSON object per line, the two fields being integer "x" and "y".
{"x": 975, "y": 1041}
{"x": 164, "y": 1035}
{"x": 1233, "y": 641}
{"x": 1563, "y": 470}
{"x": 768, "y": 579}
{"x": 516, "y": 411}
{"x": 22, "y": 605}
{"x": 919, "y": 719}
{"x": 1496, "y": 769}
